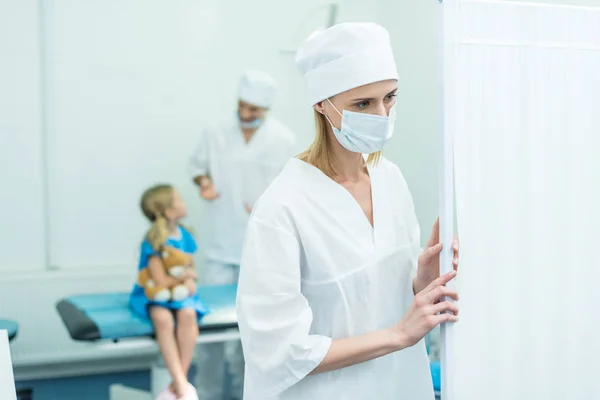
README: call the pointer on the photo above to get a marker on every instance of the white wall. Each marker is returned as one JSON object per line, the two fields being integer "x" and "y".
{"x": 413, "y": 29}
{"x": 21, "y": 154}
{"x": 126, "y": 98}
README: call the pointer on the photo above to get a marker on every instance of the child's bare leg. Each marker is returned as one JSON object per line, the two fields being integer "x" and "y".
{"x": 164, "y": 326}
{"x": 187, "y": 333}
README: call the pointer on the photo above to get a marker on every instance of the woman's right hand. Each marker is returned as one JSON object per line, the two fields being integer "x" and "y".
{"x": 428, "y": 311}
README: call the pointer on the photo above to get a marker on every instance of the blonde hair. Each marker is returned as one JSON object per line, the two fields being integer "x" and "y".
{"x": 155, "y": 201}
{"x": 320, "y": 152}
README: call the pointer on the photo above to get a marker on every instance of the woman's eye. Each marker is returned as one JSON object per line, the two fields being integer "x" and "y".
{"x": 390, "y": 97}
{"x": 362, "y": 104}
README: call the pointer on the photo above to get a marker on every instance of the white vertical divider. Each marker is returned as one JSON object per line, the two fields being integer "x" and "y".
{"x": 46, "y": 104}
{"x": 7, "y": 380}
{"x": 519, "y": 108}
{"x": 446, "y": 185}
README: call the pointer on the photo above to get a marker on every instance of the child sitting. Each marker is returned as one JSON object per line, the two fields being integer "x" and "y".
{"x": 175, "y": 322}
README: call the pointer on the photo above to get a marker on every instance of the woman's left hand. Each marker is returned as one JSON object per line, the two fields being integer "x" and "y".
{"x": 429, "y": 260}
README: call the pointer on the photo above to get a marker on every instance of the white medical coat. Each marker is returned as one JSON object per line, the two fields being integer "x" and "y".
{"x": 314, "y": 269}
{"x": 240, "y": 172}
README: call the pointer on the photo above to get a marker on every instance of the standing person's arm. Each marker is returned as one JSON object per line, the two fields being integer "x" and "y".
{"x": 202, "y": 180}
{"x": 275, "y": 318}
{"x": 424, "y": 314}
{"x": 199, "y": 167}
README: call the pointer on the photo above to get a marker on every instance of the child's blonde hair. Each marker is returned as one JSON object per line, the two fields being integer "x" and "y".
{"x": 155, "y": 201}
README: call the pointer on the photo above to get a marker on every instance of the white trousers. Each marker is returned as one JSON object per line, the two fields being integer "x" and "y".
{"x": 217, "y": 360}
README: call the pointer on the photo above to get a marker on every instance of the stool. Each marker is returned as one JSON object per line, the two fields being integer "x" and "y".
{"x": 436, "y": 375}
{"x": 434, "y": 366}
{"x": 10, "y": 326}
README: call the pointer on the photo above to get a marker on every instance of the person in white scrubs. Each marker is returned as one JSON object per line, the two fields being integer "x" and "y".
{"x": 335, "y": 294}
{"x": 233, "y": 164}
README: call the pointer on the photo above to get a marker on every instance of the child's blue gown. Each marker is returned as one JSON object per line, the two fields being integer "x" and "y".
{"x": 138, "y": 301}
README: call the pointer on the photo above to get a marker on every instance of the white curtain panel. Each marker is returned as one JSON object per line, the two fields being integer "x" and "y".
{"x": 7, "y": 382}
{"x": 522, "y": 101}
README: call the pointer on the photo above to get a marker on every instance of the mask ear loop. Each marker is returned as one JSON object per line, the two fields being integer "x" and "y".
{"x": 335, "y": 108}
{"x": 338, "y": 111}
{"x": 331, "y": 123}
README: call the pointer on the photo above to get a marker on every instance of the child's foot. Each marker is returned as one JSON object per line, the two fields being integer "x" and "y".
{"x": 166, "y": 394}
{"x": 184, "y": 391}
{"x": 170, "y": 393}
{"x": 191, "y": 393}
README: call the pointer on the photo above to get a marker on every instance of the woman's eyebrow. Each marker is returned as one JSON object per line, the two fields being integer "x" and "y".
{"x": 361, "y": 99}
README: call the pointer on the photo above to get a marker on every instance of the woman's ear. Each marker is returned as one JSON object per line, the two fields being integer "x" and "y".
{"x": 319, "y": 108}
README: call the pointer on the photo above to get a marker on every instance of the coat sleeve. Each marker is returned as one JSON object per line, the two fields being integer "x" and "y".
{"x": 199, "y": 161}
{"x": 274, "y": 317}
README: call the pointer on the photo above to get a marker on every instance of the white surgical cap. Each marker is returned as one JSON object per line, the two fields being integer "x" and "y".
{"x": 257, "y": 88}
{"x": 345, "y": 57}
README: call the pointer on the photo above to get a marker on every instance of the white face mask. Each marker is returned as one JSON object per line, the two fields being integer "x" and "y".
{"x": 364, "y": 133}
{"x": 254, "y": 124}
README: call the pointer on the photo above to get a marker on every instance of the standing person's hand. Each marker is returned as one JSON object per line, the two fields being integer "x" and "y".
{"x": 429, "y": 260}
{"x": 426, "y": 311}
{"x": 248, "y": 208}
{"x": 207, "y": 189}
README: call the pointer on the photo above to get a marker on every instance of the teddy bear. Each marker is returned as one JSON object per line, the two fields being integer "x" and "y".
{"x": 175, "y": 262}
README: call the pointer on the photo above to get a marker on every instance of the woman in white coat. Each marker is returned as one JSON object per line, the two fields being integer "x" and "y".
{"x": 334, "y": 295}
